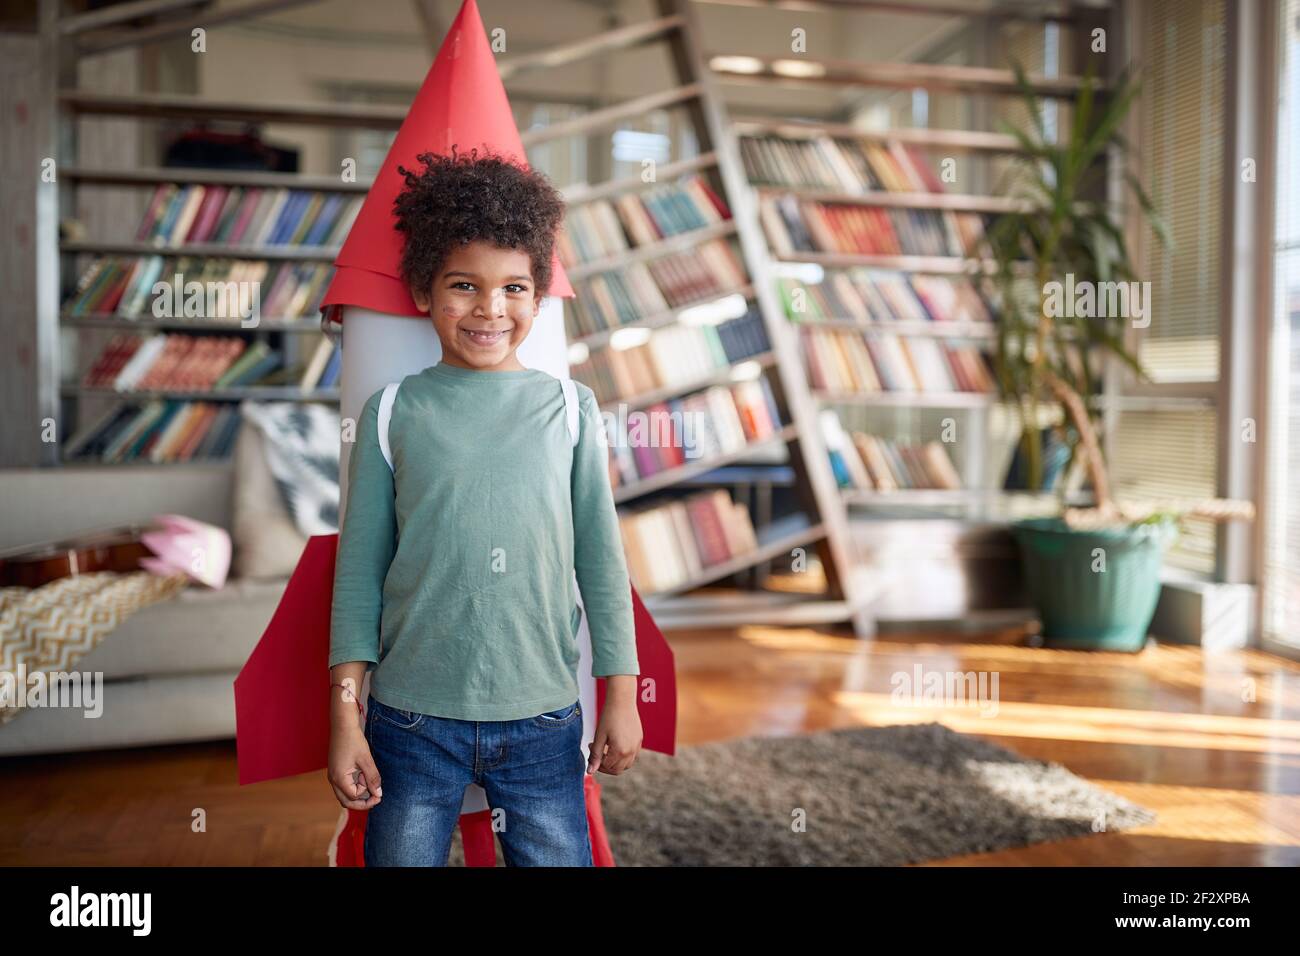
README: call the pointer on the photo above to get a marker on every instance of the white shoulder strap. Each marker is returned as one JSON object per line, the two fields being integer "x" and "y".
{"x": 385, "y": 416}
{"x": 571, "y": 411}
{"x": 572, "y": 414}
{"x": 571, "y": 408}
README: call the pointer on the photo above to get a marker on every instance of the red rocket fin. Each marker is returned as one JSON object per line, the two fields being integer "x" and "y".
{"x": 282, "y": 693}
{"x": 657, "y": 685}
{"x": 282, "y": 702}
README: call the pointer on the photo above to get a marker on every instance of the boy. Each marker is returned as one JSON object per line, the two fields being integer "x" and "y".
{"x": 454, "y": 579}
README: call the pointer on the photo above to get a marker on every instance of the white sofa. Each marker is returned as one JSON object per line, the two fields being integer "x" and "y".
{"x": 169, "y": 669}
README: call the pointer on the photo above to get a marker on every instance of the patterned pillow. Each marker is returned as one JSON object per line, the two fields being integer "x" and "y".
{"x": 267, "y": 542}
{"x": 301, "y": 441}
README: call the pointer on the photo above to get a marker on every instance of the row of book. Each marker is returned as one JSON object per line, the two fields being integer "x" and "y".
{"x": 845, "y": 361}
{"x": 603, "y": 228}
{"x": 252, "y": 216}
{"x": 837, "y": 164}
{"x": 159, "y": 432}
{"x": 131, "y": 361}
{"x": 794, "y": 225}
{"x": 673, "y": 543}
{"x": 712, "y": 422}
{"x": 125, "y": 286}
{"x": 872, "y": 463}
{"x": 876, "y": 296}
{"x": 673, "y": 355}
{"x": 626, "y": 296}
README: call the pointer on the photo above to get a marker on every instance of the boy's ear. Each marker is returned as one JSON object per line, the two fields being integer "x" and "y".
{"x": 422, "y": 299}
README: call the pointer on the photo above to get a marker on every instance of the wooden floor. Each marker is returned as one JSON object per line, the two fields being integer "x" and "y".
{"x": 1210, "y": 742}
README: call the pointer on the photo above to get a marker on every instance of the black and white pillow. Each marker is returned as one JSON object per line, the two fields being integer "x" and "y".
{"x": 302, "y": 450}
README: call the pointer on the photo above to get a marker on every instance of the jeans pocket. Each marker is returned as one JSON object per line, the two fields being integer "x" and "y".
{"x": 396, "y": 716}
{"x": 559, "y": 718}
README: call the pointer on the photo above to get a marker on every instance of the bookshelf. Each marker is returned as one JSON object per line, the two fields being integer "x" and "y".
{"x": 772, "y": 449}
{"x": 667, "y": 321}
{"x": 843, "y": 208}
{"x": 202, "y": 250}
{"x": 237, "y": 233}
{"x": 276, "y": 231}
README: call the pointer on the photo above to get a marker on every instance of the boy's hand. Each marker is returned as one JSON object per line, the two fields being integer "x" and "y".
{"x": 618, "y": 732}
{"x": 352, "y": 771}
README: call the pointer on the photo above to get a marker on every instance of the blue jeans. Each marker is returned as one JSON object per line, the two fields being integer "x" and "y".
{"x": 531, "y": 769}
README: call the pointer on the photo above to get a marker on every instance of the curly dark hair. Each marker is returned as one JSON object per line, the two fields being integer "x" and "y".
{"x": 479, "y": 195}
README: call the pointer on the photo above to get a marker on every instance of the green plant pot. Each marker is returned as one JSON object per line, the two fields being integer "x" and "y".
{"x": 1082, "y": 606}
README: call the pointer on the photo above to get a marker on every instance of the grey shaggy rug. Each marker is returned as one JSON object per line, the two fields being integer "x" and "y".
{"x": 862, "y": 796}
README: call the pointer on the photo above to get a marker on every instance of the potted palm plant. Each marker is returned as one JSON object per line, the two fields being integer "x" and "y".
{"x": 1093, "y": 573}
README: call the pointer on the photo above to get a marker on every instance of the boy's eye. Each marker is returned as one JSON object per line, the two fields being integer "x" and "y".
{"x": 513, "y": 288}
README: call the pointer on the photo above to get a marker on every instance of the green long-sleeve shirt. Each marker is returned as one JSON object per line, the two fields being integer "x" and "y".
{"x": 455, "y": 570}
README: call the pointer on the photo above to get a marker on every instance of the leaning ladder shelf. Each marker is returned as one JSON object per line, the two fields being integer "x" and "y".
{"x": 849, "y": 596}
{"x": 766, "y": 262}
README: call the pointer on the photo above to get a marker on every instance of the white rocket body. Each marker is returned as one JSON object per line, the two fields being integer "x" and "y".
{"x": 379, "y": 348}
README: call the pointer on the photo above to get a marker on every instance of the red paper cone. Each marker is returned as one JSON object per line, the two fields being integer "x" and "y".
{"x": 462, "y": 102}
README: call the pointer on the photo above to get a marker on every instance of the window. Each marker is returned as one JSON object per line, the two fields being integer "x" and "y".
{"x": 1171, "y": 453}
{"x": 1281, "y": 572}
{"x": 1167, "y": 450}
{"x": 368, "y": 147}
{"x": 563, "y": 160}
{"x": 1182, "y": 143}
{"x": 663, "y": 136}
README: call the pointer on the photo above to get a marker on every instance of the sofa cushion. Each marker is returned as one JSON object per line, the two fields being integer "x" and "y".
{"x": 301, "y": 443}
{"x": 136, "y": 713}
{"x": 267, "y": 543}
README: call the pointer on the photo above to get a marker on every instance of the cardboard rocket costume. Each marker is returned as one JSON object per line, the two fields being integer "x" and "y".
{"x": 282, "y": 695}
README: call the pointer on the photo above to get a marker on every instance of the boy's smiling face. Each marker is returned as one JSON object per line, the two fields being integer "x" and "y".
{"x": 482, "y": 304}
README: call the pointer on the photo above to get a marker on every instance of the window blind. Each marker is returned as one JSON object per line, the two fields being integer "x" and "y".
{"x": 1170, "y": 454}
{"x": 1182, "y": 145}
{"x": 1026, "y": 44}
{"x": 1281, "y": 572}
{"x": 1163, "y": 453}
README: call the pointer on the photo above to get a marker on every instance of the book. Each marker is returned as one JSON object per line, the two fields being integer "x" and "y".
{"x": 315, "y": 368}
{"x": 794, "y": 225}
{"x": 237, "y": 216}
{"x": 852, "y": 362}
{"x": 671, "y": 543}
{"x": 674, "y": 355}
{"x": 871, "y": 296}
{"x": 615, "y": 298}
{"x": 157, "y": 431}
{"x": 873, "y": 463}
{"x": 123, "y": 286}
{"x": 134, "y": 361}
{"x": 602, "y": 228}
{"x": 705, "y": 424}
{"x": 837, "y": 164}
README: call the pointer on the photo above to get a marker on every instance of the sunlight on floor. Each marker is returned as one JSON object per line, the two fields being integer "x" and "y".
{"x": 1093, "y": 724}
{"x": 1207, "y": 813}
